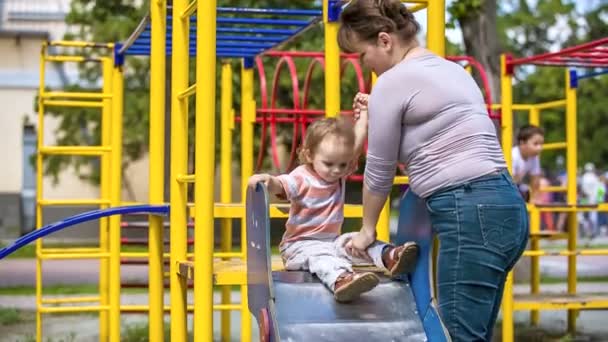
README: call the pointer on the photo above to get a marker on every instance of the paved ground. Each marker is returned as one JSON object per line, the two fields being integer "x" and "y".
{"x": 21, "y": 272}
{"x": 85, "y": 328}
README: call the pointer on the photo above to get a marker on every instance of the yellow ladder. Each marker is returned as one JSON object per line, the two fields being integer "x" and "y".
{"x": 111, "y": 131}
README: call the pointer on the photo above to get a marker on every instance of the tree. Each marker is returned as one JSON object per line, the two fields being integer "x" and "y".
{"x": 477, "y": 20}
{"x": 102, "y": 21}
{"x": 525, "y": 28}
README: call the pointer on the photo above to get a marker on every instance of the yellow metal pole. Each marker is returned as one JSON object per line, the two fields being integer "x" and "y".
{"x": 157, "y": 170}
{"x": 507, "y": 142}
{"x": 204, "y": 169}
{"x": 571, "y": 159}
{"x": 506, "y": 110}
{"x": 247, "y": 121}
{"x": 179, "y": 161}
{"x": 105, "y": 192}
{"x": 534, "y": 261}
{"x": 534, "y": 119}
{"x": 115, "y": 200}
{"x": 436, "y": 26}
{"x": 39, "y": 193}
{"x": 534, "y": 116}
{"x": 332, "y": 63}
{"x": 227, "y": 125}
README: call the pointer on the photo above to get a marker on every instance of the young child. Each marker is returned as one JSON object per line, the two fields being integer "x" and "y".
{"x": 312, "y": 239}
{"x": 526, "y": 159}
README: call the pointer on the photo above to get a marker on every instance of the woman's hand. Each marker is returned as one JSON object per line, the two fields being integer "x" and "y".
{"x": 357, "y": 246}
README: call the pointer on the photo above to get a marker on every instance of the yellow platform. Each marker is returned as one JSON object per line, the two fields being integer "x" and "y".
{"x": 549, "y": 235}
{"x": 560, "y": 301}
{"x": 227, "y": 272}
{"x": 234, "y": 271}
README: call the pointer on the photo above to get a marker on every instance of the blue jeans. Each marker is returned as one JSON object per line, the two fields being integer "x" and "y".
{"x": 482, "y": 226}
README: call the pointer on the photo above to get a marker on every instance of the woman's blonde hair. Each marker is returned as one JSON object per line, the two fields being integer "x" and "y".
{"x": 315, "y": 133}
{"x": 363, "y": 20}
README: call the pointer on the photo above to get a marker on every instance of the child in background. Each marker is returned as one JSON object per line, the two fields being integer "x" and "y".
{"x": 526, "y": 159}
{"x": 316, "y": 190}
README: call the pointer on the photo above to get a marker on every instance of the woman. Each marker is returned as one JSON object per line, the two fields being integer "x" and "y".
{"x": 429, "y": 114}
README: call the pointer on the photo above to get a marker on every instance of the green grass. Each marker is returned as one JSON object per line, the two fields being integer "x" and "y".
{"x": 9, "y": 316}
{"x": 139, "y": 333}
{"x": 71, "y": 337}
{"x": 68, "y": 289}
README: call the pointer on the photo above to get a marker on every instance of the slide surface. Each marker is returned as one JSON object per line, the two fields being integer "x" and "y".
{"x": 295, "y": 306}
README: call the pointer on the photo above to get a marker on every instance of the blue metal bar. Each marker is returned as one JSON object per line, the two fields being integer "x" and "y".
{"x": 592, "y": 74}
{"x": 270, "y": 39}
{"x": 239, "y": 50}
{"x": 276, "y": 39}
{"x": 245, "y": 45}
{"x": 192, "y": 52}
{"x": 255, "y": 21}
{"x": 223, "y": 44}
{"x": 255, "y": 30}
{"x": 248, "y": 51}
{"x": 262, "y": 21}
{"x": 283, "y": 11}
{"x": 84, "y": 217}
{"x": 250, "y": 30}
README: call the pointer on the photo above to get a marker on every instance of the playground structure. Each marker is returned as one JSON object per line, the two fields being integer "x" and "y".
{"x": 152, "y": 38}
{"x": 225, "y": 268}
{"x": 590, "y": 55}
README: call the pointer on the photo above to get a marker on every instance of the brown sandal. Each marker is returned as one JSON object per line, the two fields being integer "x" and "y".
{"x": 402, "y": 259}
{"x": 350, "y": 286}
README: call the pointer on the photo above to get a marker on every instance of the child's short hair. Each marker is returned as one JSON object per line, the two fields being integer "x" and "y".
{"x": 338, "y": 127}
{"x": 528, "y": 131}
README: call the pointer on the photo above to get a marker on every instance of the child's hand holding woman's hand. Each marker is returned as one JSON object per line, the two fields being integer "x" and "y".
{"x": 360, "y": 103}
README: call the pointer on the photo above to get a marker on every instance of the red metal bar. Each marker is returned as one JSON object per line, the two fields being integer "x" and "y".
{"x": 320, "y": 61}
{"x": 537, "y": 59}
{"x": 358, "y": 71}
{"x": 291, "y": 67}
{"x": 308, "y": 77}
{"x": 572, "y": 64}
{"x": 264, "y": 97}
{"x": 590, "y": 54}
{"x": 293, "y": 111}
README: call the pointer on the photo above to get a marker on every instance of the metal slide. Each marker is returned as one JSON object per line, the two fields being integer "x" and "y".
{"x": 295, "y": 306}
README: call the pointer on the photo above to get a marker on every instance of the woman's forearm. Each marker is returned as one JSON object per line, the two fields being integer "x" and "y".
{"x": 372, "y": 206}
